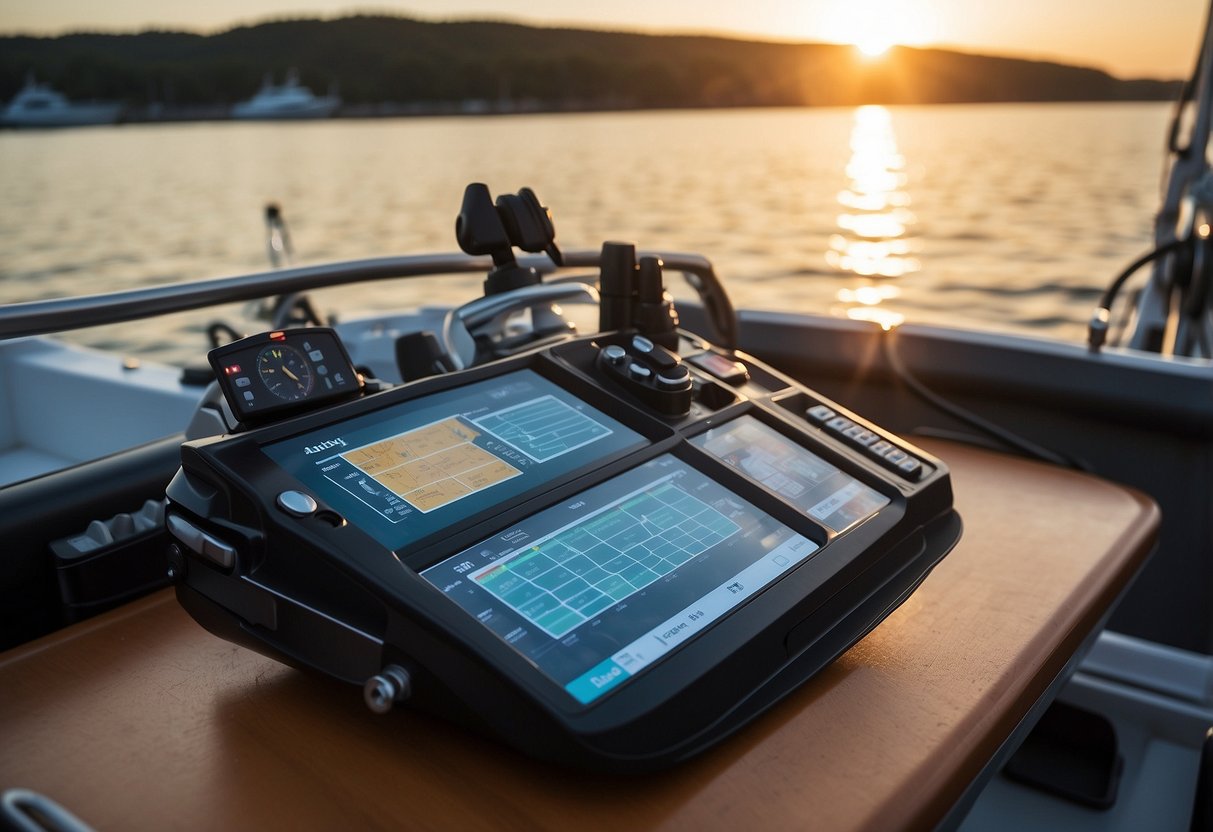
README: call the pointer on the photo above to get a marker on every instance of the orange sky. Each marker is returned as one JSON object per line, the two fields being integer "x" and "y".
{"x": 1130, "y": 38}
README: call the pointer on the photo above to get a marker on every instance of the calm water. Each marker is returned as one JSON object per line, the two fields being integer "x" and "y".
{"x": 1007, "y": 217}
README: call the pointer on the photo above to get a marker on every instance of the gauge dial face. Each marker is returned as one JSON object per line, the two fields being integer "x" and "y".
{"x": 285, "y": 372}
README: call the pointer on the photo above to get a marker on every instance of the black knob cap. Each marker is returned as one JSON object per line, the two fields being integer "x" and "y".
{"x": 418, "y": 355}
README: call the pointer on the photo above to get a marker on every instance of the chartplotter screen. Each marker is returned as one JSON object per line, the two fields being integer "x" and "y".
{"x": 411, "y": 469}
{"x": 605, "y": 584}
{"x": 822, "y": 491}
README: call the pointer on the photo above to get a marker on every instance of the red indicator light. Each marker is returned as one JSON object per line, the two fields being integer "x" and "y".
{"x": 277, "y": 336}
{"x": 232, "y": 369}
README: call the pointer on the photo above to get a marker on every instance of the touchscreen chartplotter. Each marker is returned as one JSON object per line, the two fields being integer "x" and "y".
{"x": 651, "y": 557}
{"x": 608, "y": 552}
{"x": 528, "y": 549}
{"x": 403, "y": 473}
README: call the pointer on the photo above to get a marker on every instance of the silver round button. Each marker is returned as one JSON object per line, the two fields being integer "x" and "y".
{"x": 614, "y": 353}
{"x": 674, "y": 379}
{"x": 297, "y": 503}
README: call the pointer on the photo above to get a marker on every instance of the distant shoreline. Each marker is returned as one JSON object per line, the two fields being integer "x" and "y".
{"x": 458, "y": 110}
{"x": 475, "y": 68}
{"x": 220, "y": 114}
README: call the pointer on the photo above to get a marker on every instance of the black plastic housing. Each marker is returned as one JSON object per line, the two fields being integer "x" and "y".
{"x": 318, "y": 592}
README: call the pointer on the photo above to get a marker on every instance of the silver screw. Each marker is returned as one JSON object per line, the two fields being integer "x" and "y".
{"x": 392, "y": 685}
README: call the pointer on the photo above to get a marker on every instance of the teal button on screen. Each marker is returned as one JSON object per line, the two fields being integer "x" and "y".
{"x": 596, "y": 681}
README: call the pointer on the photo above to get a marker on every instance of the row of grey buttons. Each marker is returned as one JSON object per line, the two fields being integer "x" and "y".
{"x": 885, "y": 452}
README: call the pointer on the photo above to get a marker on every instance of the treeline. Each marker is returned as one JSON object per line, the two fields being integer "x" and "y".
{"x": 391, "y": 59}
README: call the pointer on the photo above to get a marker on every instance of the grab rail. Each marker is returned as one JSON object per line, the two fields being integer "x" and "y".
{"x": 40, "y": 317}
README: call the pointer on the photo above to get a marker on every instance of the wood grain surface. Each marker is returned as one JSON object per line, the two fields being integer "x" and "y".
{"x": 140, "y": 719}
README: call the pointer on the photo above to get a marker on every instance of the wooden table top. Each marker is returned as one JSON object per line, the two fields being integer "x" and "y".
{"x": 141, "y": 719}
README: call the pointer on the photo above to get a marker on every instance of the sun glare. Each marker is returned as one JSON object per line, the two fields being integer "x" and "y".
{"x": 873, "y": 47}
{"x": 874, "y": 26}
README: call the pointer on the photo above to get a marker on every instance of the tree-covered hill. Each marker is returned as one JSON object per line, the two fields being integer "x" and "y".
{"x": 391, "y": 59}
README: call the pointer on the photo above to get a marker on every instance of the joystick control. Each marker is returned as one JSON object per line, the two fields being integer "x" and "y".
{"x": 650, "y": 372}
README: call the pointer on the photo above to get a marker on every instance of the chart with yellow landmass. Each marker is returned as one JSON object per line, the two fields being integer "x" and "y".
{"x": 432, "y": 465}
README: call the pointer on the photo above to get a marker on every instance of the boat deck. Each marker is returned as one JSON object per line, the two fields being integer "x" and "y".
{"x": 140, "y": 718}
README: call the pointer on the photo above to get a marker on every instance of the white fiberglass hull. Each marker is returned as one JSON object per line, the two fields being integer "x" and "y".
{"x": 73, "y": 115}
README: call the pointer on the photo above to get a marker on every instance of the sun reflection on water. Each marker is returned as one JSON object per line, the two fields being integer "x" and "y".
{"x": 876, "y": 240}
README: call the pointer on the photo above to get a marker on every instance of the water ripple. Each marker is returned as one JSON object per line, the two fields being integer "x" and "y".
{"x": 976, "y": 215}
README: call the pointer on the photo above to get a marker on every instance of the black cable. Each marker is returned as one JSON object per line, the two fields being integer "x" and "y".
{"x": 1006, "y": 437}
{"x": 1097, "y": 329}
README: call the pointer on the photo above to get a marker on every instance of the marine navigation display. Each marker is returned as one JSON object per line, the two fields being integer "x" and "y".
{"x": 413, "y": 468}
{"x": 819, "y": 489}
{"x": 596, "y": 589}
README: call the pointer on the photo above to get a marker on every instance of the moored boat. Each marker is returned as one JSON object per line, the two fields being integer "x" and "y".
{"x": 38, "y": 105}
{"x": 285, "y": 101}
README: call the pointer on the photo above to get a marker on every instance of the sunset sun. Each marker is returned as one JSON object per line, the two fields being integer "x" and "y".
{"x": 873, "y": 44}
{"x": 873, "y": 26}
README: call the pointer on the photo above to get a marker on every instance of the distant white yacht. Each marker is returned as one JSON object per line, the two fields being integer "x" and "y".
{"x": 37, "y": 105}
{"x": 286, "y": 101}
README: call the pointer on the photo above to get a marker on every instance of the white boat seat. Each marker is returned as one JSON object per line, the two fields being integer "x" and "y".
{"x": 22, "y": 463}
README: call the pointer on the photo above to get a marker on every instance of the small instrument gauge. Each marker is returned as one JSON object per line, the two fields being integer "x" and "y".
{"x": 285, "y": 372}
{"x": 277, "y": 374}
